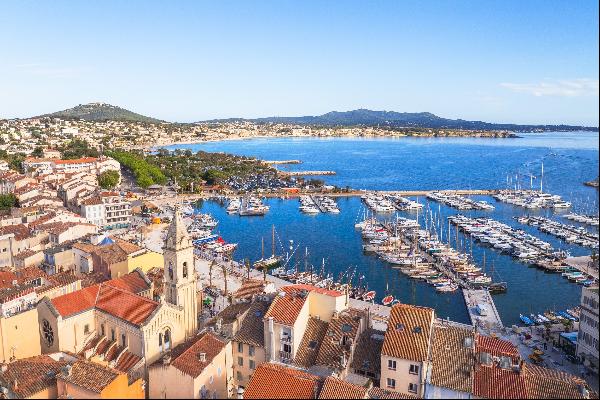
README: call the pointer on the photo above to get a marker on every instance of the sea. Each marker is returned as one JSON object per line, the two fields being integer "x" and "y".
{"x": 569, "y": 159}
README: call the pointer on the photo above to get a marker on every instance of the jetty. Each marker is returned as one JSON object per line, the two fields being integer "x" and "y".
{"x": 482, "y": 310}
{"x": 281, "y": 162}
{"x": 307, "y": 173}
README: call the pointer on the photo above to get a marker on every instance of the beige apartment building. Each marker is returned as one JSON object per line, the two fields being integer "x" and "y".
{"x": 406, "y": 349}
{"x": 587, "y": 339}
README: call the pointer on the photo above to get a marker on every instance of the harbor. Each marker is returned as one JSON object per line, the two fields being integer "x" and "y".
{"x": 568, "y": 233}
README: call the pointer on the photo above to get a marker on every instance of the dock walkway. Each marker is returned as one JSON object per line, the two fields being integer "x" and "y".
{"x": 583, "y": 264}
{"x": 489, "y": 322}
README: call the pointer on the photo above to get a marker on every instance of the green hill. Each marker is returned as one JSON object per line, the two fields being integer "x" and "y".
{"x": 101, "y": 112}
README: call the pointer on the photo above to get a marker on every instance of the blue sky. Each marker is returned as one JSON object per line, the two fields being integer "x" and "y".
{"x": 504, "y": 61}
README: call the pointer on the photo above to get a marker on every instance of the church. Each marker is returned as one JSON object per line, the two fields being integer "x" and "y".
{"x": 117, "y": 322}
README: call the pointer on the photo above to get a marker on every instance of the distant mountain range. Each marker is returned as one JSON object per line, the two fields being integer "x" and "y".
{"x": 364, "y": 117}
{"x": 360, "y": 117}
{"x": 101, "y": 112}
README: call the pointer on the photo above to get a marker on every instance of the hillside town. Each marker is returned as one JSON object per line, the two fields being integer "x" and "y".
{"x": 101, "y": 298}
{"x": 23, "y": 135}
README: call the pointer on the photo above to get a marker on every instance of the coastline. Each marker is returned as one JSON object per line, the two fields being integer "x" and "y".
{"x": 153, "y": 147}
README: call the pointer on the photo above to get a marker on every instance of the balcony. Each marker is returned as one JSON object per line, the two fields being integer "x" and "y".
{"x": 286, "y": 339}
{"x": 285, "y": 357}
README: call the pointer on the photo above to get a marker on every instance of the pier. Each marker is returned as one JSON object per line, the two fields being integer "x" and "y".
{"x": 481, "y": 299}
{"x": 281, "y": 162}
{"x": 583, "y": 264}
{"x": 307, "y": 173}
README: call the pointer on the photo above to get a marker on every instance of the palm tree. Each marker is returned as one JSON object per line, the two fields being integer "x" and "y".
{"x": 224, "y": 269}
{"x": 210, "y": 269}
{"x": 247, "y": 263}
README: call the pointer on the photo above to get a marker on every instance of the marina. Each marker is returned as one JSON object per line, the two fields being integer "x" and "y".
{"x": 583, "y": 219}
{"x": 416, "y": 177}
{"x": 459, "y": 202}
{"x": 568, "y": 233}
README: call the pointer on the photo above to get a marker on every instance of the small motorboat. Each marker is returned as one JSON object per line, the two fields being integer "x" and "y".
{"x": 387, "y": 300}
{"x": 525, "y": 320}
{"x": 369, "y": 296}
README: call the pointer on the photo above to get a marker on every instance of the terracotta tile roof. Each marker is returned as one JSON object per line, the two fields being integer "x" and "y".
{"x": 125, "y": 305}
{"x": 273, "y": 381}
{"x": 497, "y": 347}
{"x": 126, "y": 361}
{"x": 285, "y": 309}
{"x": 76, "y": 161}
{"x": 26, "y": 254}
{"x": 32, "y": 375}
{"x": 234, "y": 311}
{"x": 252, "y": 328}
{"x": 186, "y": 356}
{"x": 134, "y": 282}
{"x": 112, "y": 297}
{"x": 76, "y": 302}
{"x": 307, "y": 352}
{"x": 89, "y": 375}
{"x": 12, "y": 293}
{"x": 367, "y": 354}
{"x": 408, "y": 332}
{"x": 452, "y": 361}
{"x": 249, "y": 288}
{"x": 31, "y": 273}
{"x": 544, "y": 383}
{"x": 493, "y": 382}
{"x": 7, "y": 278}
{"x": 20, "y": 231}
{"x": 344, "y": 325}
{"x": 92, "y": 201}
{"x": 378, "y": 393}
{"x": 334, "y": 388}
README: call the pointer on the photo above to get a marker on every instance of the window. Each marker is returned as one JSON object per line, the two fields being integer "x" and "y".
{"x": 211, "y": 380}
{"x": 123, "y": 340}
{"x": 391, "y": 383}
{"x": 287, "y": 348}
{"x": 167, "y": 339}
{"x": 240, "y": 361}
{"x": 413, "y": 369}
{"x": 219, "y": 371}
{"x": 102, "y": 330}
{"x": 160, "y": 340}
{"x": 48, "y": 333}
{"x": 251, "y": 364}
{"x": 392, "y": 365}
{"x": 412, "y": 387}
{"x": 86, "y": 329}
{"x": 112, "y": 334}
{"x": 185, "y": 270}
{"x": 238, "y": 376}
{"x": 170, "y": 270}
{"x": 240, "y": 347}
{"x": 251, "y": 351}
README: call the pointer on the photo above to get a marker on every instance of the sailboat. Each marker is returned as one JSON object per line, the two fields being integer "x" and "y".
{"x": 271, "y": 262}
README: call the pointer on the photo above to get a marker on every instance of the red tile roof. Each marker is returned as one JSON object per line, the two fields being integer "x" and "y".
{"x": 90, "y": 375}
{"x": 497, "y": 347}
{"x": 273, "y": 381}
{"x": 544, "y": 383}
{"x": 285, "y": 309}
{"x": 76, "y": 161}
{"x": 33, "y": 375}
{"x": 408, "y": 332}
{"x": 114, "y": 297}
{"x": 186, "y": 358}
{"x": 493, "y": 382}
{"x": 335, "y": 388}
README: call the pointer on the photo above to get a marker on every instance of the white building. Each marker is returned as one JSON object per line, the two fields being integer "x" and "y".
{"x": 587, "y": 339}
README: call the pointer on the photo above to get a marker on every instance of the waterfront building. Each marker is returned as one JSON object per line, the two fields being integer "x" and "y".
{"x": 19, "y": 333}
{"x": 108, "y": 210}
{"x": 197, "y": 369}
{"x": 587, "y": 339}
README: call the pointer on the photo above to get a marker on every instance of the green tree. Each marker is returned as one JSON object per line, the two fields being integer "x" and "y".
{"x": 7, "y": 201}
{"x": 108, "y": 179}
{"x": 37, "y": 152}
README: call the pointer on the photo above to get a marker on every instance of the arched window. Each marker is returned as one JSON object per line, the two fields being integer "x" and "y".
{"x": 170, "y": 270}
{"x": 167, "y": 340}
{"x": 185, "y": 269}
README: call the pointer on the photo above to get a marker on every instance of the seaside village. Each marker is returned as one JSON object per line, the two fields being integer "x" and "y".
{"x": 88, "y": 310}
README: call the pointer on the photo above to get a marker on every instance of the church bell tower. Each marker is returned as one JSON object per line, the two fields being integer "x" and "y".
{"x": 179, "y": 272}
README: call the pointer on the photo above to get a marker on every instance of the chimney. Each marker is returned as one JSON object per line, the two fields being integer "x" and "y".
{"x": 167, "y": 359}
{"x": 202, "y": 357}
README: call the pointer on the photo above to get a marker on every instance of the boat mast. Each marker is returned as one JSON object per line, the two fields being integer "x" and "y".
{"x": 542, "y": 179}
{"x": 273, "y": 240}
{"x": 262, "y": 248}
